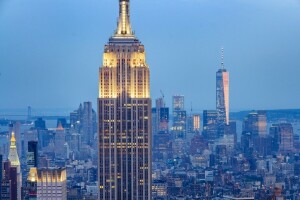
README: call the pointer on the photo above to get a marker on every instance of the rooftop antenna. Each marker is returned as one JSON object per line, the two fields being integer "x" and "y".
{"x": 191, "y": 107}
{"x": 222, "y": 58}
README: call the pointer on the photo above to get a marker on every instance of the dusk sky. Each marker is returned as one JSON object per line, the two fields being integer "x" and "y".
{"x": 51, "y": 50}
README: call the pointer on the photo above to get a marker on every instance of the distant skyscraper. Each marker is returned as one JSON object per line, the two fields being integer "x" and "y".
{"x": 193, "y": 123}
{"x": 179, "y": 117}
{"x": 210, "y": 127}
{"x": 256, "y": 123}
{"x": 286, "y": 136}
{"x": 222, "y": 96}
{"x": 60, "y": 140}
{"x": 124, "y": 108}
{"x": 16, "y": 129}
{"x": 193, "y": 127}
{"x": 87, "y": 123}
{"x": 83, "y": 121}
{"x": 178, "y": 102}
{"x": 32, "y": 154}
{"x": 161, "y": 136}
{"x": 15, "y": 162}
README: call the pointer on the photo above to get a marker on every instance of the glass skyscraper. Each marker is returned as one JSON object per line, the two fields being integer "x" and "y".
{"x": 124, "y": 111}
{"x": 222, "y": 96}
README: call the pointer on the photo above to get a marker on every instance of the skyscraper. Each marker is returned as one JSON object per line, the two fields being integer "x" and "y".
{"x": 256, "y": 123}
{"x": 222, "y": 96}
{"x": 210, "y": 128}
{"x": 87, "y": 122}
{"x": 32, "y": 154}
{"x": 160, "y": 130}
{"x": 124, "y": 108}
{"x": 179, "y": 117}
{"x": 15, "y": 163}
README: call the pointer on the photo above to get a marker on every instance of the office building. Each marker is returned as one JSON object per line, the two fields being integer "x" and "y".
{"x": 16, "y": 178}
{"x": 256, "y": 123}
{"x": 124, "y": 111}
{"x": 210, "y": 126}
{"x": 51, "y": 183}
{"x": 222, "y": 96}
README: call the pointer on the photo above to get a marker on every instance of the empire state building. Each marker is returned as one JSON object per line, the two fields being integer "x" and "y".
{"x": 124, "y": 111}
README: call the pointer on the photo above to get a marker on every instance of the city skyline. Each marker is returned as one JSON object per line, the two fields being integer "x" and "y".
{"x": 253, "y": 54}
{"x": 134, "y": 142}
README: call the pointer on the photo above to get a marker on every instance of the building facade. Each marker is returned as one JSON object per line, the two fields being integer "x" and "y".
{"x": 124, "y": 111}
{"x": 51, "y": 183}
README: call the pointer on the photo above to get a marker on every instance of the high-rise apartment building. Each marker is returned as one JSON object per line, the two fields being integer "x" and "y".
{"x": 222, "y": 96}
{"x": 124, "y": 111}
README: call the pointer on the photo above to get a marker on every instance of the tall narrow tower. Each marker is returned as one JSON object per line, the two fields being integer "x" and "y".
{"x": 15, "y": 162}
{"x": 124, "y": 110}
{"x": 222, "y": 95}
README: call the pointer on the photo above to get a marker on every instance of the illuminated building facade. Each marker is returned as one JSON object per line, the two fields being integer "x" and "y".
{"x": 30, "y": 191}
{"x": 222, "y": 96}
{"x": 51, "y": 183}
{"x": 124, "y": 111}
{"x": 15, "y": 163}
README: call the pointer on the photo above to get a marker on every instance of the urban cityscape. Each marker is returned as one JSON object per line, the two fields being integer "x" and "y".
{"x": 136, "y": 146}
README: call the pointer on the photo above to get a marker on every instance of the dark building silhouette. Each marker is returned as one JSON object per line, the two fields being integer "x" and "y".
{"x": 40, "y": 124}
{"x": 32, "y": 155}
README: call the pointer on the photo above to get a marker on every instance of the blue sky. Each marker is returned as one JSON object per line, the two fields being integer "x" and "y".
{"x": 50, "y": 50}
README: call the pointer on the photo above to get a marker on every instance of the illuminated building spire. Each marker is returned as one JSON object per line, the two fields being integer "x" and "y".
{"x": 124, "y": 27}
{"x": 13, "y": 154}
